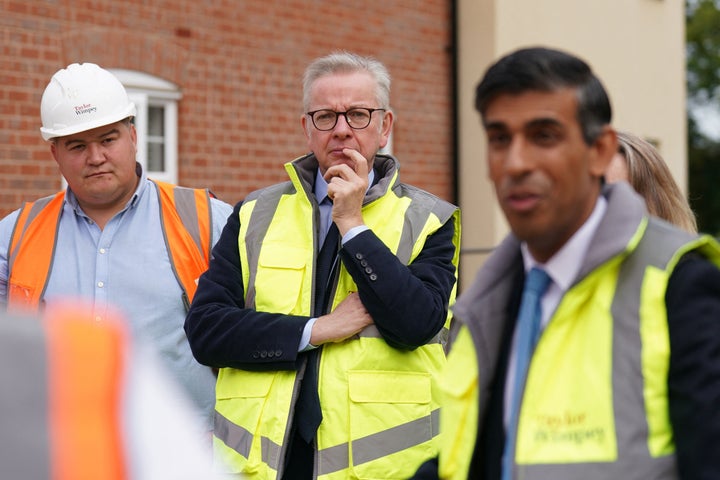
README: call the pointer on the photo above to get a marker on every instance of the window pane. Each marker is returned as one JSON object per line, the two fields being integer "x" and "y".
{"x": 156, "y": 138}
{"x": 156, "y": 121}
{"x": 156, "y": 157}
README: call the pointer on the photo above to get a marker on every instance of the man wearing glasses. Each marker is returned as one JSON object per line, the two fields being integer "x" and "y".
{"x": 326, "y": 304}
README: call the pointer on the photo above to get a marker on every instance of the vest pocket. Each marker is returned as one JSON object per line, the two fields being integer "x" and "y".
{"x": 280, "y": 279}
{"x": 373, "y": 386}
{"x": 240, "y": 426}
{"x": 234, "y": 383}
{"x": 391, "y": 425}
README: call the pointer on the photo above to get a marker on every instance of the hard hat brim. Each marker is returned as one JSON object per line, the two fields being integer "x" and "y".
{"x": 50, "y": 133}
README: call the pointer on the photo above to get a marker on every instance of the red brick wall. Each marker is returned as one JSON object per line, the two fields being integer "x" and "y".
{"x": 239, "y": 65}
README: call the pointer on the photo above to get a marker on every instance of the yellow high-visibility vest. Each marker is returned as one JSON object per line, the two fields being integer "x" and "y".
{"x": 380, "y": 406}
{"x": 597, "y": 382}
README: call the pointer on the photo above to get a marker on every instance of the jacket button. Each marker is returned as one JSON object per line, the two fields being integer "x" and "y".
{"x": 373, "y": 277}
{"x": 359, "y": 256}
{"x": 368, "y": 270}
{"x": 255, "y": 354}
{"x": 278, "y": 353}
{"x": 363, "y": 263}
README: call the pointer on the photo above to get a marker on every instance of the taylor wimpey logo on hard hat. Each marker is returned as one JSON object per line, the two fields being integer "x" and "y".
{"x": 84, "y": 108}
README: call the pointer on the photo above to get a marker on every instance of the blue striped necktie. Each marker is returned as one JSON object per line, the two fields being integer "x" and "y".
{"x": 528, "y": 331}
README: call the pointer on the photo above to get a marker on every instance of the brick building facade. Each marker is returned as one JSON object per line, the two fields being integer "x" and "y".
{"x": 238, "y": 65}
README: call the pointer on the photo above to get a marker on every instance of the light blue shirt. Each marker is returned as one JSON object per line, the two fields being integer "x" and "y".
{"x": 126, "y": 266}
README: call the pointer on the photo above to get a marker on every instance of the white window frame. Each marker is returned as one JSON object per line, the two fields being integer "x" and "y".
{"x": 147, "y": 90}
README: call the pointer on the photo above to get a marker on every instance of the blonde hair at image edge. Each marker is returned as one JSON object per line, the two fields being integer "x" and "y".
{"x": 650, "y": 176}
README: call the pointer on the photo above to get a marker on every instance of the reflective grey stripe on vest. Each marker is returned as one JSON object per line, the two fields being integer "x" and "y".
{"x": 35, "y": 209}
{"x": 379, "y": 445}
{"x": 335, "y": 458}
{"x": 24, "y": 435}
{"x": 187, "y": 210}
{"x": 421, "y": 207}
{"x": 657, "y": 248}
{"x": 266, "y": 202}
{"x": 240, "y": 440}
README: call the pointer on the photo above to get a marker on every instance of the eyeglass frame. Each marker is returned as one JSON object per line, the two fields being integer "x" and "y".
{"x": 344, "y": 114}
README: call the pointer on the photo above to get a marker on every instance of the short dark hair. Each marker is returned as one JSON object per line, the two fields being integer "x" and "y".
{"x": 548, "y": 70}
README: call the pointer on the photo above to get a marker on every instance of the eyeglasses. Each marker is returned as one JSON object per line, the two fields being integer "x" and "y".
{"x": 357, "y": 118}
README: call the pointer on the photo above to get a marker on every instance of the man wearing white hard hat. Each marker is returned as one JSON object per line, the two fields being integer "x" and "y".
{"x": 113, "y": 237}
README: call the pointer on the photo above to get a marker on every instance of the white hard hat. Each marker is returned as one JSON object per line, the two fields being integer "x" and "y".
{"x": 81, "y": 97}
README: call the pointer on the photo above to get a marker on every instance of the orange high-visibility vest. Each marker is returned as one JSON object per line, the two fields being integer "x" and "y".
{"x": 185, "y": 217}
{"x": 67, "y": 395}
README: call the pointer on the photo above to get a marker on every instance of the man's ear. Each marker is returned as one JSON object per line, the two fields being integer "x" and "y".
{"x": 53, "y": 150}
{"x": 305, "y": 126}
{"x": 133, "y": 135}
{"x": 386, "y": 127}
{"x": 603, "y": 149}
